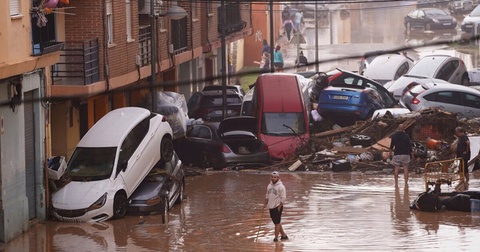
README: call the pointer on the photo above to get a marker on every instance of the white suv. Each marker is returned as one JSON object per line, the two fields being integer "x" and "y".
{"x": 109, "y": 163}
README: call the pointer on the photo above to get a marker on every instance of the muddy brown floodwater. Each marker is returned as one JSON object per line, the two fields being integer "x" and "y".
{"x": 325, "y": 211}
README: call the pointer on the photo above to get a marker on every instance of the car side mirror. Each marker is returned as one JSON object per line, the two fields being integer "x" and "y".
{"x": 165, "y": 193}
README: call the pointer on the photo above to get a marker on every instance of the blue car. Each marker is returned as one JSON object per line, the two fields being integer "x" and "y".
{"x": 350, "y": 97}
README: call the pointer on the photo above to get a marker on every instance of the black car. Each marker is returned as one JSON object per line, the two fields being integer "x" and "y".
{"x": 429, "y": 19}
{"x": 163, "y": 187}
{"x": 232, "y": 143}
{"x": 208, "y": 105}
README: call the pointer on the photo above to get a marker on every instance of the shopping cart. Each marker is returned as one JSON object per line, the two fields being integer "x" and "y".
{"x": 445, "y": 172}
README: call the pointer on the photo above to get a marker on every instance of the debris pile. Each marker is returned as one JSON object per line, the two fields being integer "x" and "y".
{"x": 365, "y": 145}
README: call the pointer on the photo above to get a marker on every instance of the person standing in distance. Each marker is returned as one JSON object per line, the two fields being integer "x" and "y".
{"x": 463, "y": 149}
{"x": 401, "y": 146}
{"x": 274, "y": 200}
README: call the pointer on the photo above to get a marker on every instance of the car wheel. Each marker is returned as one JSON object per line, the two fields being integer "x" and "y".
{"x": 362, "y": 140}
{"x": 180, "y": 195}
{"x": 166, "y": 148}
{"x": 119, "y": 206}
{"x": 465, "y": 80}
{"x": 428, "y": 27}
{"x": 204, "y": 161}
{"x": 419, "y": 149}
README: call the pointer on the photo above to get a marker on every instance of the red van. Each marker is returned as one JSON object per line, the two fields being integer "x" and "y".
{"x": 282, "y": 111}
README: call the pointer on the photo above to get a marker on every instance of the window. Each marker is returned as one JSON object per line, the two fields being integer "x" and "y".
{"x": 449, "y": 97}
{"x": 128, "y": 11}
{"x": 403, "y": 69}
{"x": 472, "y": 101}
{"x": 14, "y": 7}
{"x": 283, "y": 123}
{"x": 194, "y": 10}
{"x": 209, "y": 7}
{"x": 133, "y": 140}
{"x": 200, "y": 131}
{"x": 445, "y": 73}
{"x": 109, "y": 22}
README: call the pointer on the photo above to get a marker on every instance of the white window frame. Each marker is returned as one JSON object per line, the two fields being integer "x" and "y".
{"x": 14, "y": 7}
{"x": 109, "y": 13}
{"x": 128, "y": 18}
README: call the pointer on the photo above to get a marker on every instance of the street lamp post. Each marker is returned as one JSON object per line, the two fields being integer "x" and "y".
{"x": 175, "y": 13}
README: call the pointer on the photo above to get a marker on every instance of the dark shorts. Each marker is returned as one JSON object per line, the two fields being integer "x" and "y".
{"x": 278, "y": 65}
{"x": 276, "y": 215}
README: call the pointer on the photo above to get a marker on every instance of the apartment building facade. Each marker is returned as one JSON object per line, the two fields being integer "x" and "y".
{"x": 76, "y": 60}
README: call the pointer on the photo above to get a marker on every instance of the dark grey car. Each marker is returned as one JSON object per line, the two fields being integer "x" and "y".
{"x": 163, "y": 187}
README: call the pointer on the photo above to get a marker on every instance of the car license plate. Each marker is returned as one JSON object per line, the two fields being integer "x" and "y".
{"x": 447, "y": 23}
{"x": 219, "y": 112}
{"x": 340, "y": 97}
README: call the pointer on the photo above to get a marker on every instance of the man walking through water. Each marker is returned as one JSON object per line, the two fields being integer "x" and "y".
{"x": 402, "y": 152}
{"x": 274, "y": 200}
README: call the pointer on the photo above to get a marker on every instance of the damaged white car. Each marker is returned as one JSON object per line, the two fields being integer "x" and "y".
{"x": 110, "y": 162}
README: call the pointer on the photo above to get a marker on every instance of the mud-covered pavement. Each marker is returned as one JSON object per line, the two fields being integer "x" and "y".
{"x": 325, "y": 211}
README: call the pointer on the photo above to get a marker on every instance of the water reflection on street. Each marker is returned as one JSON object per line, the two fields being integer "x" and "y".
{"x": 223, "y": 212}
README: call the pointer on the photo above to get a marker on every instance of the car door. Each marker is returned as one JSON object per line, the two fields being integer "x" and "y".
{"x": 199, "y": 142}
{"x": 133, "y": 156}
{"x": 447, "y": 100}
{"x": 449, "y": 72}
{"x": 472, "y": 105}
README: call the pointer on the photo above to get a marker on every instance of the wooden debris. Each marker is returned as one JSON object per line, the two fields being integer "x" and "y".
{"x": 295, "y": 165}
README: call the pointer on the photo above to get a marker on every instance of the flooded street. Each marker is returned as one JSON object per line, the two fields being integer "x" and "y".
{"x": 223, "y": 211}
{"x": 324, "y": 211}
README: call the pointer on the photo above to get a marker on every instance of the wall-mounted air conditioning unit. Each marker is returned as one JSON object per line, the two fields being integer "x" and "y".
{"x": 144, "y": 6}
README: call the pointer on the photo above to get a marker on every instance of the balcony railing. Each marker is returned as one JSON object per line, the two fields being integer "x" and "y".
{"x": 233, "y": 22}
{"x": 79, "y": 64}
{"x": 144, "y": 43}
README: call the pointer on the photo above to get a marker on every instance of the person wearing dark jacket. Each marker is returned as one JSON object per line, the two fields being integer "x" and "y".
{"x": 266, "y": 47}
{"x": 401, "y": 146}
{"x": 463, "y": 149}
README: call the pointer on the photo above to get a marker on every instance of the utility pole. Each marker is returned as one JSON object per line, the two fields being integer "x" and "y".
{"x": 316, "y": 36}
{"x": 153, "y": 52}
{"x": 272, "y": 42}
{"x": 223, "y": 19}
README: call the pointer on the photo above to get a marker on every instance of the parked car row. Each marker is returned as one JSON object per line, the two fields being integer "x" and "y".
{"x": 390, "y": 81}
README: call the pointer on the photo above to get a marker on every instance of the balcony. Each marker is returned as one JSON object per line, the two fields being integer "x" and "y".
{"x": 233, "y": 22}
{"x": 79, "y": 64}
{"x": 144, "y": 43}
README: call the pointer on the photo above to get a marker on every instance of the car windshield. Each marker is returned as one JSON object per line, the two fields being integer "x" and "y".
{"x": 218, "y": 100}
{"x": 283, "y": 123}
{"x": 427, "y": 66}
{"x": 475, "y": 12}
{"x": 91, "y": 164}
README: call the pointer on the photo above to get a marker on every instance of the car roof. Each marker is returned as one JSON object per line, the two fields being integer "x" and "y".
{"x": 111, "y": 129}
{"x": 429, "y": 65}
{"x": 220, "y": 87}
{"x": 385, "y": 66}
{"x": 453, "y": 87}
